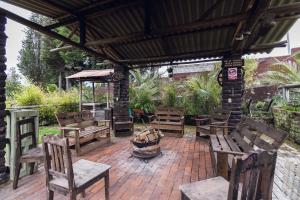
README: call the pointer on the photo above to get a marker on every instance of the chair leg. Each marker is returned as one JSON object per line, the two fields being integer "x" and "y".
{"x": 107, "y": 185}
{"x": 83, "y": 193}
{"x": 16, "y": 175}
{"x": 31, "y": 165}
{"x": 50, "y": 195}
{"x": 72, "y": 195}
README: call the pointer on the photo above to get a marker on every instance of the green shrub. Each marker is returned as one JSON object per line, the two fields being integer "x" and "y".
{"x": 51, "y": 88}
{"x": 169, "y": 95}
{"x": 202, "y": 95}
{"x": 31, "y": 95}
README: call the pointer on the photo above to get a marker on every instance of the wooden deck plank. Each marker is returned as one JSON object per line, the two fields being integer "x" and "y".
{"x": 184, "y": 160}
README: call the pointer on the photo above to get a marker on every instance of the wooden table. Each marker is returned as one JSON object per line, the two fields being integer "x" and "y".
{"x": 224, "y": 149}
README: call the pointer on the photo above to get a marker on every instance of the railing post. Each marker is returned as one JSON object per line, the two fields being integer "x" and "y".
{"x": 3, "y": 170}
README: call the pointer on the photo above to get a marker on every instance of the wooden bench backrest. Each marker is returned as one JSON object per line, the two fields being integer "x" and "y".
{"x": 75, "y": 119}
{"x": 246, "y": 170}
{"x": 220, "y": 115}
{"x": 21, "y": 135}
{"x": 168, "y": 114}
{"x": 58, "y": 162}
{"x": 251, "y": 134}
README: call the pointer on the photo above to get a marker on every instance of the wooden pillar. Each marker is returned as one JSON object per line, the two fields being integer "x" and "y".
{"x": 107, "y": 95}
{"x": 232, "y": 88}
{"x": 94, "y": 100}
{"x": 3, "y": 170}
{"x": 80, "y": 96}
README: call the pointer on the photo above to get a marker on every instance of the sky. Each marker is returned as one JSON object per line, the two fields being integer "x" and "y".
{"x": 15, "y": 33}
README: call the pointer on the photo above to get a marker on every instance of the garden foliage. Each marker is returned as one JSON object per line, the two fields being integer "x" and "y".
{"x": 49, "y": 102}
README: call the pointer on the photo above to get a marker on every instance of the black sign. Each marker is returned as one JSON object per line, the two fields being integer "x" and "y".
{"x": 233, "y": 63}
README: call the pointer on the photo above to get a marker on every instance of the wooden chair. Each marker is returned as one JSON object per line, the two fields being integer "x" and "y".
{"x": 34, "y": 153}
{"x": 204, "y": 123}
{"x": 66, "y": 178}
{"x": 122, "y": 120}
{"x": 245, "y": 182}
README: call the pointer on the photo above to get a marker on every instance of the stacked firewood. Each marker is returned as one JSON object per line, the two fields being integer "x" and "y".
{"x": 146, "y": 142}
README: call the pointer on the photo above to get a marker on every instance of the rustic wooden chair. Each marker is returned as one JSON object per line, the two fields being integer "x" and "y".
{"x": 205, "y": 123}
{"x": 245, "y": 182}
{"x": 34, "y": 153}
{"x": 66, "y": 178}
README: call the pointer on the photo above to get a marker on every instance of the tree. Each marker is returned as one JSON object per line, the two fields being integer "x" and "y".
{"x": 143, "y": 90}
{"x": 282, "y": 73}
{"x": 13, "y": 82}
{"x": 43, "y": 67}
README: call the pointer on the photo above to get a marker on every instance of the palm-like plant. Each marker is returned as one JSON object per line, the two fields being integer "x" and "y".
{"x": 203, "y": 94}
{"x": 282, "y": 73}
{"x": 143, "y": 90}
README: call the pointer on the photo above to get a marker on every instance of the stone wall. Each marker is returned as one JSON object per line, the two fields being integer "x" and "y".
{"x": 3, "y": 174}
{"x": 288, "y": 121}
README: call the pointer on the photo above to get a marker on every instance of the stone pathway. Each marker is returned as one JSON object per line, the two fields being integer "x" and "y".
{"x": 287, "y": 174}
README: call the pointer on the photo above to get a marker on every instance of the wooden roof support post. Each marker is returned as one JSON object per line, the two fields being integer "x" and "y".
{"x": 4, "y": 176}
{"x": 107, "y": 95}
{"x": 232, "y": 87}
{"x": 94, "y": 100}
{"x": 80, "y": 96}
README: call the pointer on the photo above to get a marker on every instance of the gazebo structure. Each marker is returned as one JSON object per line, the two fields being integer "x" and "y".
{"x": 93, "y": 76}
{"x": 139, "y": 33}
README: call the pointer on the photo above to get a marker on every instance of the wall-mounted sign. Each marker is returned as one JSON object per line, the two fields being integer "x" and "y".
{"x": 233, "y": 63}
{"x": 232, "y": 73}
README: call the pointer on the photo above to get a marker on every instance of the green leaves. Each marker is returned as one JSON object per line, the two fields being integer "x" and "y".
{"x": 281, "y": 73}
{"x": 143, "y": 90}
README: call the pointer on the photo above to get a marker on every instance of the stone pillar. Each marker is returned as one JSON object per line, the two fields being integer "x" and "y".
{"x": 121, "y": 101}
{"x": 121, "y": 87}
{"x": 232, "y": 88}
{"x": 3, "y": 170}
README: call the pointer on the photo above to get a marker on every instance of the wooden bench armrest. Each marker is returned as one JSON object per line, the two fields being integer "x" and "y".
{"x": 219, "y": 123}
{"x": 220, "y": 126}
{"x": 201, "y": 119}
{"x": 235, "y": 153}
{"x": 104, "y": 120}
{"x": 151, "y": 117}
{"x": 70, "y": 128}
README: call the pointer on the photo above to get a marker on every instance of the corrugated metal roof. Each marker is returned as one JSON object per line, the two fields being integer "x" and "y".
{"x": 87, "y": 74}
{"x": 116, "y": 22}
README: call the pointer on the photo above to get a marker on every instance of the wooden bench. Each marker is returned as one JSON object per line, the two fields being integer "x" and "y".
{"x": 83, "y": 131}
{"x": 203, "y": 122}
{"x": 248, "y": 136}
{"x": 169, "y": 121}
{"x": 244, "y": 181}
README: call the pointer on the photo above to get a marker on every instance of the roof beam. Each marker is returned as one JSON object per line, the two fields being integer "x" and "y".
{"x": 93, "y": 14}
{"x": 147, "y": 15}
{"x": 202, "y": 54}
{"x": 256, "y": 11}
{"x": 50, "y": 33}
{"x": 209, "y": 10}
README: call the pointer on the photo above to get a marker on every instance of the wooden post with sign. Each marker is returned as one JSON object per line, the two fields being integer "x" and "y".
{"x": 233, "y": 88}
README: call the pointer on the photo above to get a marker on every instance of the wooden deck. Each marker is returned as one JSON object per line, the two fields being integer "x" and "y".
{"x": 184, "y": 160}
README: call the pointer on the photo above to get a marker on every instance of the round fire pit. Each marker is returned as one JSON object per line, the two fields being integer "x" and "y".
{"x": 146, "y": 144}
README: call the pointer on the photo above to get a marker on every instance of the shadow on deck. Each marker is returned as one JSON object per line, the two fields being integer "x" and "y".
{"x": 184, "y": 160}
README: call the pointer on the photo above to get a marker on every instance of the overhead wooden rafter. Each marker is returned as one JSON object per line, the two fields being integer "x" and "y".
{"x": 94, "y": 13}
{"x": 245, "y": 29}
{"x": 53, "y": 34}
{"x": 198, "y": 54}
